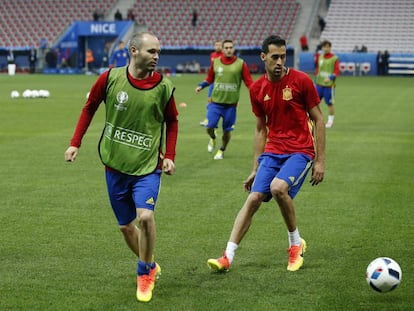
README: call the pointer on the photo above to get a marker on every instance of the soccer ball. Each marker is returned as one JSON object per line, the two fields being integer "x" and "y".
{"x": 383, "y": 274}
{"x": 44, "y": 93}
{"x": 27, "y": 93}
{"x": 14, "y": 94}
{"x": 35, "y": 94}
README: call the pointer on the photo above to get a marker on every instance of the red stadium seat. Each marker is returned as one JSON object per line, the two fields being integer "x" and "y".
{"x": 48, "y": 17}
{"x": 350, "y": 67}
{"x": 366, "y": 68}
{"x": 342, "y": 67}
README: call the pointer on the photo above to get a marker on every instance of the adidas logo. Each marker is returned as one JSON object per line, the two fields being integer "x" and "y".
{"x": 150, "y": 201}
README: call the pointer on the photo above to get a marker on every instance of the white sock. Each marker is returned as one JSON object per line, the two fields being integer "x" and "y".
{"x": 294, "y": 237}
{"x": 331, "y": 118}
{"x": 231, "y": 250}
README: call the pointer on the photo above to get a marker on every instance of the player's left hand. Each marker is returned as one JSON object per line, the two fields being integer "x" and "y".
{"x": 318, "y": 173}
{"x": 168, "y": 166}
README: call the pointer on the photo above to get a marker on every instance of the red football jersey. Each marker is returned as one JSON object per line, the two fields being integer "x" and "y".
{"x": 286, "y": 104}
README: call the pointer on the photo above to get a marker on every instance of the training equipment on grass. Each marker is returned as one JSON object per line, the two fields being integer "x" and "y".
{"x": 383, "y": 274}
{"x": 44, "y": 93}
{"x": 14, "y": 94}
{"x": 32, "y": 94}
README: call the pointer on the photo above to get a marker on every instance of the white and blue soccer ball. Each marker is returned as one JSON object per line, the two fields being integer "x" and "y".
{"x": 14, "y": 94}
{"x": 383, "y": 274}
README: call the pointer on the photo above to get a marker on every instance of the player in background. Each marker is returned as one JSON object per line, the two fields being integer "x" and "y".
{"x": 326, "y": 73}
{"x": 226, "y": 73}
{"x": 285, "y": 103}
{"x": 140, "y": 107}
{"x": 120, "y": 56}
{"x": 217, "y": 53}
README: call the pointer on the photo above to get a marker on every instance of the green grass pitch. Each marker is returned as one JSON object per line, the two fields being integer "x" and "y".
{"x": 61, "y": 249}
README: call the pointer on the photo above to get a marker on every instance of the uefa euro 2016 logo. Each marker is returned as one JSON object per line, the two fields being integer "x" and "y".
{"x": 121, "y": 98}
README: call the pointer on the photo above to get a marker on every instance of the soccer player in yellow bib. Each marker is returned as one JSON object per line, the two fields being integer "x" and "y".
{"x": 226, "y": 72}
{"x": 139, "y": 106}
{"x": 326, "y": 73}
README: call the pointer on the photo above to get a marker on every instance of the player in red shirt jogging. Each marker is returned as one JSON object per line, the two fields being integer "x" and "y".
{"x": 226, "y": 74}
{"x": 285, "y": 104}
{"x": 218, "y": 52}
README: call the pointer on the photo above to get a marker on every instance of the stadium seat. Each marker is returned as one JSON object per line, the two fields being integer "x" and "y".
{"x": 342, "y": 67}
{"x": 48, "y": 17}
{"x": 365, "y": 68}
{"x": 246, "y": 21}
{"x": 350, "y": 67}
{"x": 387, "y": 25}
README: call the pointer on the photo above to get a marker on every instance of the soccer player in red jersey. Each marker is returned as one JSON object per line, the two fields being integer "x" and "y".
{"x": 217, "y": 53}
{"x": 139, "y": 105}
{"x": 286, "y": 106}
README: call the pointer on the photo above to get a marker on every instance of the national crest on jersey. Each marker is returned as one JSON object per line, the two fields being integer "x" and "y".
{"x": 287, "y": 93}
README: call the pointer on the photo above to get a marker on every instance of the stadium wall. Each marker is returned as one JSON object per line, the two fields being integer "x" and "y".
{"x": 81, "y": 36}
{"x": 358, "y": 64}
{"x": 171, "y": 57}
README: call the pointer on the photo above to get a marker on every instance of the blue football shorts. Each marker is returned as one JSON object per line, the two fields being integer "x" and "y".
{"x": 327, "y": 93}
{"x": 210, "y": 90}
{"x": 291, "y": 168}
{"x": 217, "y": 111}
{"x": 127, "y": 193}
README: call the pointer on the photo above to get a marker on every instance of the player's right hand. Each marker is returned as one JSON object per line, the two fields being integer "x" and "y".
{"x": 71, "y": 154}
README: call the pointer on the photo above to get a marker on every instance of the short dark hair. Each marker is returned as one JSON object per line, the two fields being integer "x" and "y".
{"x": 326, "y": 43}
{"x": 275, "y": 40}
{"x": 226, "y": 41}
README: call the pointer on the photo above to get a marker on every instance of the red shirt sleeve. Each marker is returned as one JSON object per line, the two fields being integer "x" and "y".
{"x": 336, "y": 68}
{"x": 96, "y": 96}
{"x": 210, "y": 74}
{"x": 247, "y": 77}
{"x": 171, "y": 130}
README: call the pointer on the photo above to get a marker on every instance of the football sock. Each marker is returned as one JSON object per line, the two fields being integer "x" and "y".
{"x": 144, "y": 267}
{"x": 331, "y": 118}
{"x": 230, "y": 250}
{"x": 294, "y": 237}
